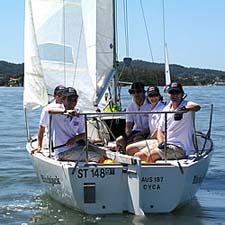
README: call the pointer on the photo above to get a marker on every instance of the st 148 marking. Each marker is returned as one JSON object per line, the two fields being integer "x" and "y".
{"x": 95, "y": 172}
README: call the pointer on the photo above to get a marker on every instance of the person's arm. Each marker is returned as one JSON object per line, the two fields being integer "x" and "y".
{"x": 55, "y": 110}
{"x": 41, "y": 132}
{"x": 75, "y": 139}
{"x": 40, "y": 135}
{"x": 160, "y": 136}
{"x": 192, "y": 106}
{"x": 128, "y": 129}
{"x": 153, "y": 135}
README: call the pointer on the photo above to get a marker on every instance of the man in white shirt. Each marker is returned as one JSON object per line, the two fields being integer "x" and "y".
{"x": 68, "y": 130}
{"x": 136, "y": 123}
{"x": 179, "y": 128}
{"x": 44, "y": 118}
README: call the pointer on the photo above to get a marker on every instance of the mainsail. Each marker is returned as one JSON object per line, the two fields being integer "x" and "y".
{"x": 68, "y": 42}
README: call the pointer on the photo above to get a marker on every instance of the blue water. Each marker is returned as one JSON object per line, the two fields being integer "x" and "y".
{"x": 22, "y": 200}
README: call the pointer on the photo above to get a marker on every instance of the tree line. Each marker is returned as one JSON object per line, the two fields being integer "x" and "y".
{"x": 146, "y": 72}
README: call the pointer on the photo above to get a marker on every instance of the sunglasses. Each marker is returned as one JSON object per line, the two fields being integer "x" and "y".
{"x": 72, "y": 99}
{"x": 153, "y": 95}
{"x": 131, "y": 92}
{"x": 175, "y": 92}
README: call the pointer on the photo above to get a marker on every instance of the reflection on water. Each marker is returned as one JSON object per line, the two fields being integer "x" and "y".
{"x": 47, "y": 211}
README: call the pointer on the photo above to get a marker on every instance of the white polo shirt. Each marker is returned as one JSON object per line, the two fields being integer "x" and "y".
{"x": 179, "y": 133}
{"x": 65, "y": 128}
{"x": 140, "y": 120}
{"x": 153, "y": 119}
{"x": 44, "y": 118}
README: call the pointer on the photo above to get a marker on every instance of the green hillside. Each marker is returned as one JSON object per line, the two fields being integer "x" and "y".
{"x": 11, "y": 70}
{"x": 153, "y": 74}
{"x": 148, "y": 73}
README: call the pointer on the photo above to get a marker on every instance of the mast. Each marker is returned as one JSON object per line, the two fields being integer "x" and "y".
{"x": 115, "y": 79}
{"x": 167, "y": 68}
{"x": 114, "y": 33}
{"x": 166, "y": 58}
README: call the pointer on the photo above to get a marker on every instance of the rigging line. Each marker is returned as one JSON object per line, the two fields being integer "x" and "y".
{"x": 195, "y": 141}
{"x": 116, "y": 33}
{"x": 78, "y": 51}
{"x": 146, "y": 28}
{"x": 64, "y": 42}
{"x": 121, "y": 73}
{"x": 126, "y": 27}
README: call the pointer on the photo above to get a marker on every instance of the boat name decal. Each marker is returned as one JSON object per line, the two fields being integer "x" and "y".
{"x": 152, "y": 183}
{"x": 98, "y": 173}
{"x": 197, "y": 179}
{"x": 50, "y": 180}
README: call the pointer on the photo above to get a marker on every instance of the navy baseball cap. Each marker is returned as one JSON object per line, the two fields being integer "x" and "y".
{"x": 153, "y": 91}
{"x": 175, "y": 87}
{"x": 59, "y": 90}
{"x": 70, "y": 91}
{"x": 137, "y": 86}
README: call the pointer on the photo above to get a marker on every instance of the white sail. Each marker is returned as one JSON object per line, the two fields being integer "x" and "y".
{"x": 35, "y": 93}
{"x": 68, "y": 43}
{"x": 98, "y": 27}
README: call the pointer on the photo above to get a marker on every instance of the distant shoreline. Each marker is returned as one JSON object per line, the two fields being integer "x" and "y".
{"x": 12, "y": 74}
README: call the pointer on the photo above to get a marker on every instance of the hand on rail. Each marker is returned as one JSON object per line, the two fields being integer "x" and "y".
{"x": 71, "y": 113}
{"x": 179, "y": 114}
{"x": 161, "y": 145}
{"x": 184, "y": 109}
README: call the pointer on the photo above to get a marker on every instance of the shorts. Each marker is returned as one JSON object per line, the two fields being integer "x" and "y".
{"x": 147, "y": 145}
{"x": 173, "y": 151}
{"x": 79, "y": 154}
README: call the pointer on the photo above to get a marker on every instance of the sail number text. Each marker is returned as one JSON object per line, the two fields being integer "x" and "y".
{"x": 97, "y": 173}
{"x": 152, "y": 183}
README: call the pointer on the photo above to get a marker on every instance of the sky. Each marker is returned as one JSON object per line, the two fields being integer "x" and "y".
{"x": 195, "y": 32}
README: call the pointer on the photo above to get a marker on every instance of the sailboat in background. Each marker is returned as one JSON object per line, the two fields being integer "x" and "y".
{"x": 73, "y": 43}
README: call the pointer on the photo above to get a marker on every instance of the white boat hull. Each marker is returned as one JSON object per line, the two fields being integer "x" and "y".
{"x": 74, "y": 43}
{"x": 116, "y": 188}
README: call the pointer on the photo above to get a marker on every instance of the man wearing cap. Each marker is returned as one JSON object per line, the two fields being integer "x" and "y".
{"x": 44, "y": 118}
{"x": 180, "y": 128}
{"x": 68, "y": 131}
{"x": 135, "y": 123}
{"x": 155, "y": 99}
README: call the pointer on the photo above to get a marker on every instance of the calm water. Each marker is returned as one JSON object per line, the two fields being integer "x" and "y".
{"x": 22, "y": 200}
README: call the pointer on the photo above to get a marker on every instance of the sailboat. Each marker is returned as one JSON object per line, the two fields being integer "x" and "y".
{"x": 72, "y": 42}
